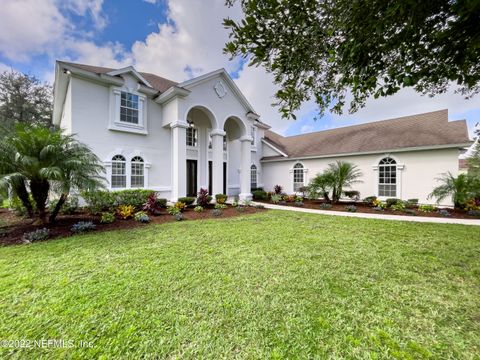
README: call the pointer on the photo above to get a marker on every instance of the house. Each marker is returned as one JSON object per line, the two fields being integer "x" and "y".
{"x": 175, "y": 138}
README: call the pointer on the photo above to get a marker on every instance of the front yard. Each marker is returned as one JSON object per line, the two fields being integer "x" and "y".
{"x": 275, "y": 284}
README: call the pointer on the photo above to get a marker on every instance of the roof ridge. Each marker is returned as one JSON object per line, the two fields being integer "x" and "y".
{"x": 366, "y": 123}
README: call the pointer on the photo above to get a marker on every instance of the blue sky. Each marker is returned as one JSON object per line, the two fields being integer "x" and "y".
{"x": 177, "y": 39}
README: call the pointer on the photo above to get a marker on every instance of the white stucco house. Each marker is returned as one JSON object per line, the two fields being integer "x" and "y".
{"x": 176, "y": 138}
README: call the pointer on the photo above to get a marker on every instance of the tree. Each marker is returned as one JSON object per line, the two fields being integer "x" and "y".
{"x": 344, "y": 174}
{"x": 334, "y": 50}
{"x": 334, "y": 179}
{"x": 474, "y": 160}
{"x": 39, "y": 162}
{"x": 24, "y": 99}
{"x": 460, "y": 189}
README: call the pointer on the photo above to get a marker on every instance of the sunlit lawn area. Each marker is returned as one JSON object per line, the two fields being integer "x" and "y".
{"x": 270, "y": 285}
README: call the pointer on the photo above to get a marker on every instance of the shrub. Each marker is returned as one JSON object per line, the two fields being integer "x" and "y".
{"x": 351, "y": 208}
{"x": 173, "y": 210}
{"x": 282, "y": 202}
{"x": 235, "y": 203}
{"x": 325, "y": 206}
{"x": 276, "y": 198}
{"x": 217, "y": 212}
{"x": 135, "y": 197}
{"x": 68, "y": 208}
{"x": 187, "y": 200}
{"x": 289, "y": 198}
{"x": 220, "y": 206}
{"x": 298, "y": 203}
{"x": 352, "y": 194}
{"x": 221, "y": 198}
{"x": 142, "y": 217}
{"x": 198, "y": 209}
{"x": 203, "y": 198}
{"x": 259, "y": 194}
{"x": 392, "y": 201}
{"x": 37, "y": 235}
{"x": 240, "y": 208}
{"x": 398, "y": 206}
{"x": 125, "y": 211}
{"x": 444, "y": 212}
{"x": 98, "y": 201}
{"x": 369, "y": 200}
{"x": 180, "y": 205}
{"x": 411, "y": 203}
{"x": 162, "y": 202}
{"x": 379, "y": 204}
{"x": 179, "y": 217}
{"x": 472, "y": 204}
{"x": 426, "y": 208}
{"x": 475, "y": 213}
{"x": 277, "y": 189}
{"x": 153, "y": 205}
{"x": 247, "y": 202}
{"x": 83, "y": 227}
{"x": 107, "y": 218}
{"x": 259, "y": 206}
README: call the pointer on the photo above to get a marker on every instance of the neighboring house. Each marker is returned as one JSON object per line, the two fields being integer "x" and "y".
{"x": 176, "y": 138}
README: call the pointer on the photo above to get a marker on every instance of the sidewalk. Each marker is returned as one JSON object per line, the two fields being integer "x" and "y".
{"x": 438, "y": 220}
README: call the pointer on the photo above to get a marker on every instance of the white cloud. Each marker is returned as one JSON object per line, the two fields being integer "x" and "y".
{"x": 29, "y": 27}
{"x": 151, "y": 1}
{"x": 84, "y": 7}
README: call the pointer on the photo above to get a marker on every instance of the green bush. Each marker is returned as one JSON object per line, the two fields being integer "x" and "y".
{"x": 83, "y": 227}
{"x": 369, "y": 200}
{"x": 221, "y": 198}
{"x": 107, "y": 218}
{"x": 259, "y": 194}
{"x": 68, "y": 208}
{"x": 220, "y": 206}
{"x": 351, "y": 208}
{"x": 198, "y": 209}
{"x": 392, "y": 201}
{"x": 426, "y": 208}
{"x": 325, "y": 206}
{"x": 187, "y": 200}
{"x": 174, "y": 210}
{"x": 98, "y": 201}
{"x": 37, "y": 235}
{"x": 276, "y": 198}
{"x": 398, "y": 206}
{"x": 217, "y": 212}
{"x": 162, "y": 203}
{"x": 142, "y": 217}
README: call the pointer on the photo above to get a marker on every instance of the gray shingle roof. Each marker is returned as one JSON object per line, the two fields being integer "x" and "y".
{"x": 421, "y": 130}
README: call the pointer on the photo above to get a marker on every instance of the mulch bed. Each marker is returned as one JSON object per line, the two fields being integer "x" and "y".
{"x": 364, "y": 208}
{"x": 12, "y": 233}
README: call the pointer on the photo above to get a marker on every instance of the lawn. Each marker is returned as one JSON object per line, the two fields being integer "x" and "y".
{"x": 270, "y": 285}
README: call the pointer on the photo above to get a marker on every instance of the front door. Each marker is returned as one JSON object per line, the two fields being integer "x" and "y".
{"x": 191, "y": 177}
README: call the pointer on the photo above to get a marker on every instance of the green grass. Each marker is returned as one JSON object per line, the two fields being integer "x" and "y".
{"x": 270, "y": 285}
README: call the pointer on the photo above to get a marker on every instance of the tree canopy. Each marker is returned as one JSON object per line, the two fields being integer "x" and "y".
{"x": 341, "y": 52}
{"x": 24, "y": 100}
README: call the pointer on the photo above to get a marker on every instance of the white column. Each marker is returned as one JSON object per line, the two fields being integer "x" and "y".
{"x": 246, "y": 155}
{"x": 217, "y": 161}
{"x": 179, "y": 162}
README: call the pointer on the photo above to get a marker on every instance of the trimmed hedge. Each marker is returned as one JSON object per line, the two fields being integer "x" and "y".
{"x": 99, "y": 201}
{"x": 259, "y": 194}
{"x": 187, "y": 200}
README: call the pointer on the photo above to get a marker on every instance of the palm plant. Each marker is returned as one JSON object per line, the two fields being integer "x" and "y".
{"x": 39, "y": 160}
{"x": 459, "y": 188}
{"x": 321, "y": 185}
{"x": 343, "y": 174}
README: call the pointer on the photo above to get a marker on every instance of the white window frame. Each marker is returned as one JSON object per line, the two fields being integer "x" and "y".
{"x": 128, "y": 155}
{"x": 191, "y": 129}
{"x": 253, "y": 174}
{"x": 134, "y": 162}
{"x": 116, "y": 123}
{"x": 118, "y": 160}
{"x": 304, "y": 171}
{"x": 399, "y": 171}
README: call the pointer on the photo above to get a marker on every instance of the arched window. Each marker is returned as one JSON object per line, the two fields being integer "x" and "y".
{"x": 137, "y": 173}
{"x": 253, "y": 176}
{"x": 298, "y": 177}
{"x": 387, "y": 177}
{"x": 119, "y": 175}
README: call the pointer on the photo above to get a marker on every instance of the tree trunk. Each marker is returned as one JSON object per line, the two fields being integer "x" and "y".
{"x": 56, "y": 210}
{"x": 21, "y": 191}
{"x": 40, "y": 189}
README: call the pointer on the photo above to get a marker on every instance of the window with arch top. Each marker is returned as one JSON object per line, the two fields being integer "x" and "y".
{"x": 253, "y": 176}
{"x": 298, "y": 177}
{"x": 137, "y": 179}
{"x": 387, "y": 177}
{"x": 119, "y": 175}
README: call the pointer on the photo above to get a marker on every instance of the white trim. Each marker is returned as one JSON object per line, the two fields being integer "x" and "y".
{"x": 171, "y": 93}
{"x": 130, "y": 69}
{"x": 274, "y": 148}
{"x": 400, "y": 167}
{"x": 128, "y": 155}
{"x": 114, "y": 112}
{"x": 418, "y": 148}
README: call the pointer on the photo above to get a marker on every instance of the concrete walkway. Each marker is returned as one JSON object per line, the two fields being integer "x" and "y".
{"x": 436, "y": 220}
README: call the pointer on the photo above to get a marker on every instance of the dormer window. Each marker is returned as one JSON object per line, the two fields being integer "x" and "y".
{"x": 129, "y": 108}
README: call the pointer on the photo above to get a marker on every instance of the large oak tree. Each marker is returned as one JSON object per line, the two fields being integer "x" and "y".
{"x": 334, "y": 50}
